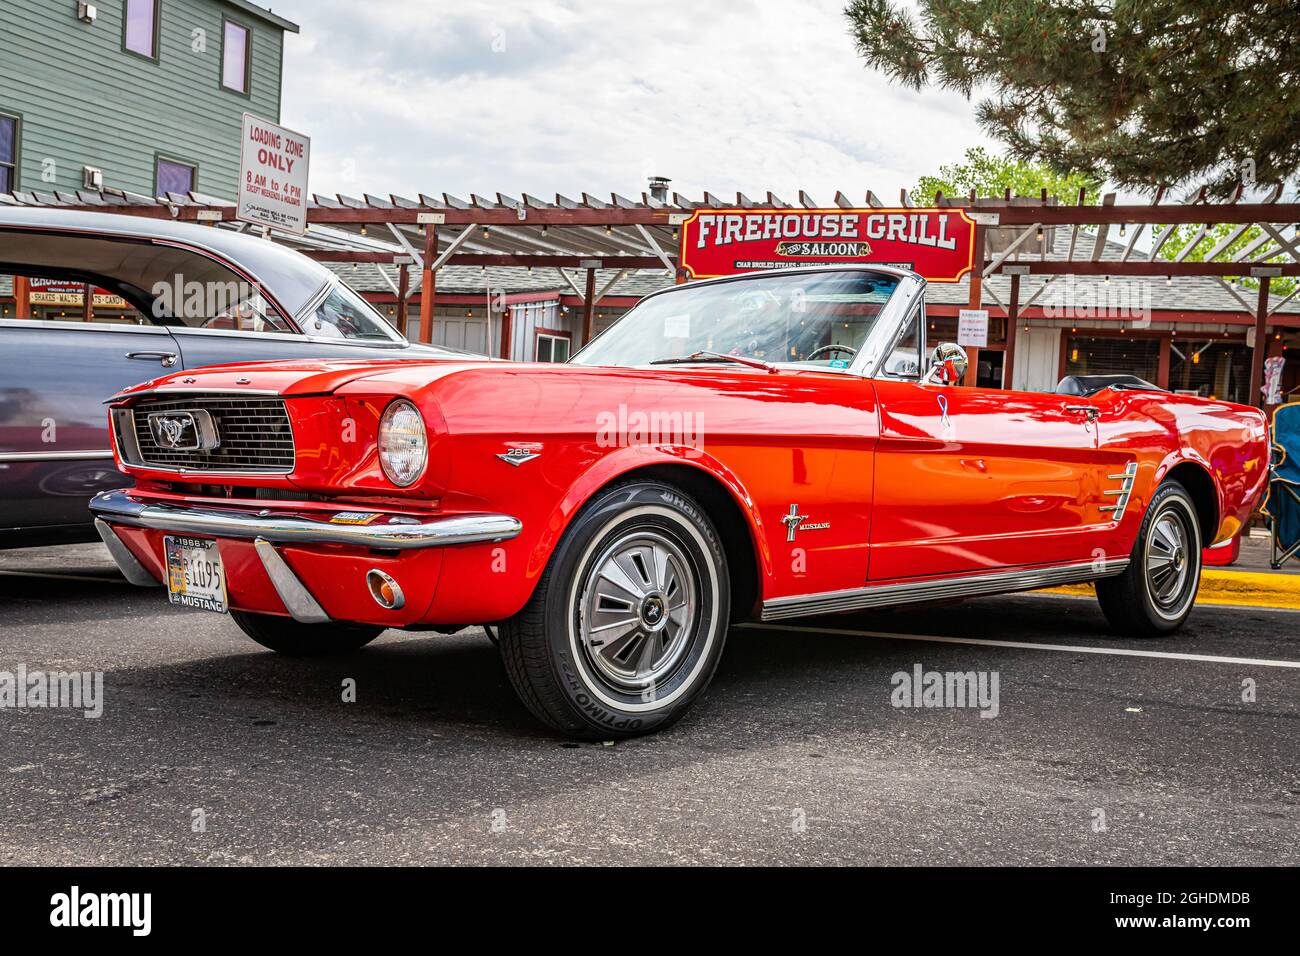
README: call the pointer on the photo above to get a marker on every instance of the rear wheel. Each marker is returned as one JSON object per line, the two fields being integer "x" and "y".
{"x": 1155, "y": 594}
{"x": 627, "y": 623}
{"x": 287, "y": 636}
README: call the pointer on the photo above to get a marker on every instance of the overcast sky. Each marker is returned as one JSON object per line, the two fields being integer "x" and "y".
{"x": 546, "y": 96}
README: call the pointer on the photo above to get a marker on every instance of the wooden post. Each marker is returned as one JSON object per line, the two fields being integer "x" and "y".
{"x": 976, "y": 281}
{"x": 403, "y": 290}
{"x": 22, "y": 298}
{"x": 589, "y": 306}
{"x": 88, "y": 303}
{"x": 1013, "y": 323}
{"x": 428, "y": 288}
{"x": 1261, "y": 345}
{"x": 1165, "y": 361}
{"x": 507, "y": 332}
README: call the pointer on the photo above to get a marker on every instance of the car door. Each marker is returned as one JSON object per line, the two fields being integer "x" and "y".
{"x": 973, "y": 479}
{"x": 55, "y": 452}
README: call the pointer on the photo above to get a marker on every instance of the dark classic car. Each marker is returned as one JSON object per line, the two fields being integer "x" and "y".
{"x": 167, "y": 297}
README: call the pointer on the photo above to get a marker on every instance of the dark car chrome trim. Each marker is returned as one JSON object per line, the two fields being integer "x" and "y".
{"x": 79, "y": 325}
{"x": 390, "y": 532}
{"x": 127, "y": 563}
{"x": 936, "y": 589}
{"x": 54, "y": 455}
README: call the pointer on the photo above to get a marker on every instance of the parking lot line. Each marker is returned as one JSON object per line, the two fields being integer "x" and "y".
{"x": 1023, "y": 645}
{"x": 64, "y": 577}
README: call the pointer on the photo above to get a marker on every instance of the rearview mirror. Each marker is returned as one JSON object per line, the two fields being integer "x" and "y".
{"x": 948, "y": 363}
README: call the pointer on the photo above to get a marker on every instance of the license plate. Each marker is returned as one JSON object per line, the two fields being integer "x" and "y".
{"x": 195, "y": 577}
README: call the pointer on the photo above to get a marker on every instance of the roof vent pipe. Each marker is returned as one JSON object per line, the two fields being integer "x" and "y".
{"x": 659, "y": 188}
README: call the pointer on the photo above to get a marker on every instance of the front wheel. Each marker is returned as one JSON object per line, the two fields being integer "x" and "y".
{"x": 627, "y": 623}
{"x": 294, "y": 639}
{"x": 1156, "y": 592}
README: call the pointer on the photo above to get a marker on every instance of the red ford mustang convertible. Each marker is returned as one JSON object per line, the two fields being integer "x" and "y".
{"x": 768, "y": 446}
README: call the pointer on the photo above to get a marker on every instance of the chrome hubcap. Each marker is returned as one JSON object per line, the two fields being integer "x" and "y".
{"x": 638, "y": 606}
{"x": 1167, "y": 561}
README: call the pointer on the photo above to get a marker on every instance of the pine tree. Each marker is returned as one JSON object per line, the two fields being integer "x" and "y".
{"x": 1135, "y": 92}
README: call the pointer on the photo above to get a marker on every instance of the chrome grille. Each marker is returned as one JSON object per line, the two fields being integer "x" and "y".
{"x": 255, "y": 435}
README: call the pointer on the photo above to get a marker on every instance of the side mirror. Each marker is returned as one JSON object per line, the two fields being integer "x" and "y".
{"x": 948, "y": 363}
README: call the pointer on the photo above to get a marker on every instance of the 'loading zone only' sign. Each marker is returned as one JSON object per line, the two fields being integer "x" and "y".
{"x": 937, "y": 244}
{"x": 273, "y": 165}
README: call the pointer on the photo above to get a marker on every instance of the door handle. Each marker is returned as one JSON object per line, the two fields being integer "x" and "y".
{"x": 1091, "y": 411}
{"x": 167, "y": 359}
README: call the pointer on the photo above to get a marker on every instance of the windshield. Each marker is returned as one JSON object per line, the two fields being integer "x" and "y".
{"x": 345, "y": 315}
{"x": 814, "y": 318}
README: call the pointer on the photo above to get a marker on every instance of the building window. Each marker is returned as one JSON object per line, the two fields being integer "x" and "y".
{"x": 171, "y": 176}
{"x": 1210, "y": 368}
{"x": 140, "y": 27}
{"x": 9, "y": 130}
{"x": 1113, "y": 355}
{"x": 552, "y": 348}
{"x": 236, "y": 50}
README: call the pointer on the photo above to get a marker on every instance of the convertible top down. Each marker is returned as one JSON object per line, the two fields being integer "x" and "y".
{"x": 768, "y": 446}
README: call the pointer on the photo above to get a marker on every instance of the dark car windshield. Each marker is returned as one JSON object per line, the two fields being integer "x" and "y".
{"x": 817, "y": 318}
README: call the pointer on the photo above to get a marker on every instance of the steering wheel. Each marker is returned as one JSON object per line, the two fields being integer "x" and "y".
{"x": 830, "y": 348}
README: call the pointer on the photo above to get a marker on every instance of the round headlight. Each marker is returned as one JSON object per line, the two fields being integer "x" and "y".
{"x": 403, "y": 447}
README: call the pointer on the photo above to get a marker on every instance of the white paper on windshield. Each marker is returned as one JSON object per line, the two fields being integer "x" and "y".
{"x": 677, "y": 326}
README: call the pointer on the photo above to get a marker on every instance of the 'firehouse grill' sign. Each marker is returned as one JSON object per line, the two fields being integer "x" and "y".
{"x": 937, "y": 244}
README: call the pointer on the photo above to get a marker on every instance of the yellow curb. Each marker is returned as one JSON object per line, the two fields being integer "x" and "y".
{"x": 1246, "y": 588}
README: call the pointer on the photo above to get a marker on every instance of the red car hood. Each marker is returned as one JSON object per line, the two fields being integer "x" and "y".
{"x": 303, "y": 377}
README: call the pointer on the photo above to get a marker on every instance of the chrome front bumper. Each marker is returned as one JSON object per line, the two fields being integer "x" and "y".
{"x": 266, "y": 528}
{"x": 389, "y": 532}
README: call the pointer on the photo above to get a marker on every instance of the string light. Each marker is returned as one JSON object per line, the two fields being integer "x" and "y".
{"x": 487, "y": 233}
{"x": 363, "y": 229}
{"x": 1121, "y": 229}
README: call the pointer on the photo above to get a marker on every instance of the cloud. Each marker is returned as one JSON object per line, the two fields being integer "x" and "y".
{"x": 550, "y": 96}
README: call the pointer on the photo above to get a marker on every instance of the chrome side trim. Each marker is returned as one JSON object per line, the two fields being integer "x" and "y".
{"x": 54, "y": 455}
{"x": 1123, "y": 492}
{"x": 78, "y": 325}
{"x": 937, "y": 589}
{"x": 127, "y": 563}
{"x": 389, "y": 532}
{"x": 297, "y": 599}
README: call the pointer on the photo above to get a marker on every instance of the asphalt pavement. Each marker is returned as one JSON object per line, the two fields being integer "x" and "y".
{"x": 210, "y": 750}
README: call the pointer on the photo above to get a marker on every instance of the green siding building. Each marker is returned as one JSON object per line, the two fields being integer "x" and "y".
{"x": 151, "y": 93}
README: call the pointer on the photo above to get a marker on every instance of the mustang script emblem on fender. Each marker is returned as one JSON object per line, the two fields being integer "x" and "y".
{"x": 794, "y": 522}
{"x": 518, "y": 454}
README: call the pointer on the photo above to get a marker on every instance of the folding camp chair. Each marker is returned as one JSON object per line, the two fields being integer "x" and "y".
{"x": 1283, "y": 502}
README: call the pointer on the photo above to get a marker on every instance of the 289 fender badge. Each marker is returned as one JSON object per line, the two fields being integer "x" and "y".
{"x": 518, "y": 454}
